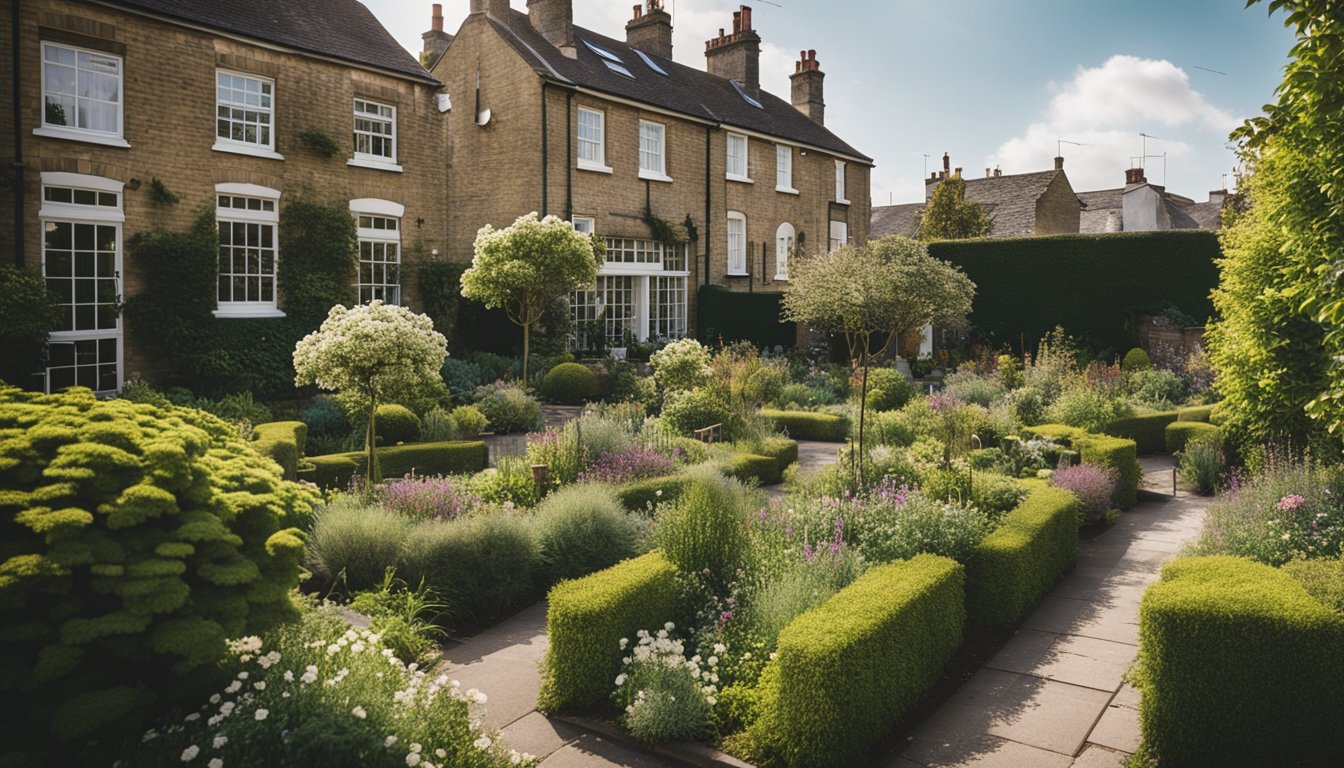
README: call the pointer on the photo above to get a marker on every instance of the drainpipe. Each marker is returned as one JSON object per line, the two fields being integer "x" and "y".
{"x": 17, "y": 107}
{"x": 569, "y": 156}
{"x": 545, "y": 149}
{"x": 709, "y": 227}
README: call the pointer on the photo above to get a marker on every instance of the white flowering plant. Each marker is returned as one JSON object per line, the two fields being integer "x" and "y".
{"x": 663, "y": 695}
{"x": 318, "y": 692}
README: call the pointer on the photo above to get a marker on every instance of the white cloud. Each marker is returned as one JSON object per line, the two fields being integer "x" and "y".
{"x": 1106, "y": 108}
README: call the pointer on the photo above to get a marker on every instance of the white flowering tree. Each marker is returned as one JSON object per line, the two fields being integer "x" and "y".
{"x": 370, "y": 354}
{"x": 525, "y": 267}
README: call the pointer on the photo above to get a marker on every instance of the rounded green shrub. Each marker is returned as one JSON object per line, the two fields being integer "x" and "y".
{"x": 569, "y": 384}
{"x": 509, "y": 409}
{"x": 1136, "y": 360}
{"x": 888, "y": 389}
{"x": 483, "y": 565}
{"x": 686, "y": 411}
{"x": 468, "y": 422}
{"x": 681, "y": 365}
{"x": 582, "y": 529}
{"x": 136, "y": 540}
{"x": 397, "y": 424}
{"x": 352, "y": 545}
{"x": 705, "y": 529}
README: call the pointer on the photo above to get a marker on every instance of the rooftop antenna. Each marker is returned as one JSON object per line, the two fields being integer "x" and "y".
{"x": 1206, "y": 69}
{"x": 926, "y": 164}
{"x": 1142, "y": 164}
{"x": 1059, "y": 149}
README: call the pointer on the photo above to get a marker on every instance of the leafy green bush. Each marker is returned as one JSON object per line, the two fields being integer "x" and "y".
{"x": 747, "y": 467}
{"x": 1201, "y": 463}
{"x": 136, "y": 540}
{"x": 1239, "y": 665}
{"x": 1156, "y": 389}
{"x": 846, "y": 673}
{"x": 437, "y": 426}
{"x": 585, "y": 621}
{"x": 1136, "y": 360}
{"x": 902, "y": 524}
{"x": 484, "y": 565}
{"x": 352, "y": 544}
{"x": 582, "y": 529}
{"x": 1055, "y": 433}
{"x": 685, "y": 411}
{"x": 407, "y": 619}
{"x": 327, "y": 425}
{"x": 662, "y": 695}
{"x": 1195, "y": 413}
{"x": 796, "y": 395}
{"x": 704, "y": 530}
{"x": 1088, "y": 408}
{"x": 509, "y": 409}
{"x": 28, "y": 315}
{"x": 461, "y": 377}
{"x": 282, "y": 441}
{"x": 804, "y": 585}
{"x": 681, "y": 366}
{"x": 1323, "y": 578}
{"x": 1014, "y": 566}
{"x": 335, "y": 470}
{"x": 974, "y": 388}
{"x": 510, "y": 481}
{"x": 397, "y": 424}
{"x": 643, "y": 495}
{"x": 1148, "y": 430}
{"x": 888, "y": 389}
{"x": 783, "y": 450}
{"x": 807, "y": 425}
{"x": 1119, "y": 454}
{"x": 569, "y": 384}
{"x": 1178, "y": 433}
{"x": 468, "y": 422}
{"x": 996, "y": 494}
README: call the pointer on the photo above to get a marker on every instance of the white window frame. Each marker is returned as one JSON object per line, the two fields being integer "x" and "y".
{"x": 640, "y": 269}
{"x": 74, "y": 132}
{"x": 367, "y": 160}
{"x": 656, "y": 169}
{"x": 786, "y": 238}
{"x": 383, "y": 209}
{"x": 96, "y": 215}
{"x": 784, "y": 169}
{"x": 840, "y": 179}
{"x": 598, "y": 164}
{"x": 272, "y": 218}
{"x": 731, "y": 168}
{"x": 737, "y": 252}
{"x": 839, "y": 234}
{"x": 256, "y": 149}
{"x": 586, "y": 225}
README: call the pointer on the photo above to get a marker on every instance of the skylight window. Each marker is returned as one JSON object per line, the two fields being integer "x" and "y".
{"x": 650, "y": 62}
{"x": 619, "y": 69}
{"x": 740, "y": 92}
{"x": 604, "y": 53}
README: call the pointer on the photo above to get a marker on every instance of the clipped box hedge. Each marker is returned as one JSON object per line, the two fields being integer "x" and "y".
{"x": 1239, "y": 667}
{"x": 783, "y": 450}
{"x": 1148, "y": 431}
{"x": 283, "y": 441}
{"x": 1120, "y": 454}
{"x": 747, "y": 467}
{"x": 809, "y": 425}
{"x": 1013, "y": 567}
{"x": 587, "y": 618}
{"x": 640, "y": 495}
{"x": 1055, "y": 433}
{"x": 1182, "y": 432}
{"x": 1195, "y": 413}
{"x": 451, "y": 458}
{"x": 848, "y": 671}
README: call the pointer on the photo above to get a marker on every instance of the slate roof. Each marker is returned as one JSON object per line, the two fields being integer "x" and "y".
{"x": 1100, "y": 204}
{"x": 684, "y": 90}
{"x": 900, "y": 219}
{"x": 1183, "y": 212}
{"x": 1010, "y": 200}
{"x": 340, "y": 29}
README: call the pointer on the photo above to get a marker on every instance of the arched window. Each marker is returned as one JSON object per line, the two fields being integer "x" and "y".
{"x": 785, "y": 238}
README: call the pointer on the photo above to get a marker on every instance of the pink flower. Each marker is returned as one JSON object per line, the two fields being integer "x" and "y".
{"x": 1290, "y": 502}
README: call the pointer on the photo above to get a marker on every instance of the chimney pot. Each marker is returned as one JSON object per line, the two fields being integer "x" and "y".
{"x": 435, "y": 40}
{"x": 1059, "y": 163}
{"x": 947, "y": 162}
{"x": 436, "y": 23}
{"x": 1135, "y": 176}
{"x": 650, "y": 32}
{"x": 808, "y": 83}
{"x": 737, "y": 56}
{"x": 986, "y": 172}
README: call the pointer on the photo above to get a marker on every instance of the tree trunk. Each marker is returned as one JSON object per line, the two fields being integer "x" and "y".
{"x": 527, "y": 340}
{"x": 371, "y": 468}
{"x": 863, "y": 412}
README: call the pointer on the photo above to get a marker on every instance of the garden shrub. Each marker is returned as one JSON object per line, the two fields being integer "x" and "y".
{"x": 461, "y": 377}
{"x": 888, "y": 389}
{"x": 335, "y": 470}
{"x": 996, "y": 494}
{"x": 1055, "y": 433}
{"x": 509, "y": 409}
{"x": 484, "y": 565}
{"x": 644, "y": 495}
{"x": 510, "y": 481}
{"x": 282, "y": 441}
{"x": 1016, "y": 565}
{"x": 685, "y": 411}
{"x": 783, "y": 450}
{"x": 1290, "y": 510}
{"x": 136, "y": 540}
{"x": 847, "y": 672}
{"x": 1087, "y": 407}
{"x": 748, "y": 467}
{"x": 1121, "y": 455}
{"x": 397, "y": 424}
{"x": 663, "y": 696}
{"x": 1195, "y": 413}
{"x": 468, "y": 422}
{"x": 1148, "y": 431}
{"x": 1136, "y": 360}
{"x": 1093, "y": 485}
{"x": 28, "y": 315}
{"x": 680, "y": 366}
{"x": 327, "y": 426}
{"x": 1156, "y": 389}
{"x": 1323, "y": 578}
{"x": 973, "y": 388}
{"x": 1239, "y": 666}
{"x": 583, "y": 529}
{"x": 1178, "y": 433}
{"x": 1201, "y": 463}
{"x": 705, "y": 529}
{"x": 569, "y": 384}
{"x": 427, "y": 497}
{"x": 797, "y": 396}
{"x": 352, "y": 544}
{"x": 585, "y": 621}
{"x": 807, "y": 425}
{"x": 437, "y": 426}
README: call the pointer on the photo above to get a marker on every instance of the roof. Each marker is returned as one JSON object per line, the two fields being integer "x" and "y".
{"x": 340, "y": 29}
{"x": 1183, "y": 212}
{"x": 900, "y": 219}
{"x": 682, "y": 89}
{"x": 1010, "y": 200}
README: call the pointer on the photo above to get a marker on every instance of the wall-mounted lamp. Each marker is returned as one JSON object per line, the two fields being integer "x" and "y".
{"x": 133, "y": 184}
{"x": 419, "y": 223}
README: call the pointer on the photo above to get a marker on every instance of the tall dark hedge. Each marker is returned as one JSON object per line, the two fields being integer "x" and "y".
{"x": 319, "y": 256}
{"x": 1093, "y": 285}
{"x": 732, "y": 316}
{"x": 28, "y": 314}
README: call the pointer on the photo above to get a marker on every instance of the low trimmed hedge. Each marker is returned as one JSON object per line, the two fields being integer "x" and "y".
{"x": 1240, "y": 666}
{"x": 1055, "y": 433}
{"x": 1148, "y": 431}
{"x": 783, "y": 450}
{"x": 335, "y": 470}
{"x": 1120, "y": 454}
{"x": 748, "y": 466}
{"x": 585, "y": 621}
{"x": 848, "y": 671}
{"x": 283, "y": 441}
{"x": 640, "y": 495}
{"x": 809, "y": 425}
{"x": 1011, "y": 569}
{"x": 1181, "y": 432}
{"x": 1195, "y": 413}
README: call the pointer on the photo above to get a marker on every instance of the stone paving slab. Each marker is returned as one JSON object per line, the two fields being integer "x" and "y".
{"x": 1073, "y": 659}
{"x": 589, "y": 751}
{"x": 987, "y": 751}
{"x": 1118, "y": 729}
{"x": 1100, "y": 757}
{"x": 538, "y": 735}
{"x": 1117, "y": 622}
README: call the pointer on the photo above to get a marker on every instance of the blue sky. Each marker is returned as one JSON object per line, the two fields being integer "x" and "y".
{"x": 994, "y": 83}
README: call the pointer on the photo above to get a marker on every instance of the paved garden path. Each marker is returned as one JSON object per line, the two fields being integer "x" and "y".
{"x": 1055, "y": 694}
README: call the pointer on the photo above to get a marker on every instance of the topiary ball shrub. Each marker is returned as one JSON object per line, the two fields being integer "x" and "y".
{"x": 569, "y": 384}
{"x": 1136, "y": 360}
{"x": 888, "y": 389}
{"x": 397, "y": 424}
{"x": 468, "y": 422}
{"x": 136, "y": 540}
{"x": 582, "y": 529}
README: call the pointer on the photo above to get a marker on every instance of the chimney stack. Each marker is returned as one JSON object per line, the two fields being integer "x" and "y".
{"x": 947, "y": 166}
{"x": 1134, "y": 176}
{"x": 1059, "y": 163}
{"x": 808, "y": 79}
{"x": 650, "y": 30}
{"x": 496, "y": 8}
{"x": 1218, "y": 197}
{"x": 436, "y": 40}
{"x": 737, "y": 56}
{"x": 554, "y": 20}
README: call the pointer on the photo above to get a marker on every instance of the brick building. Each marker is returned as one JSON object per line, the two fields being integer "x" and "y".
{"x": 620, "y": 139}
{"x": 213, "y": 101}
